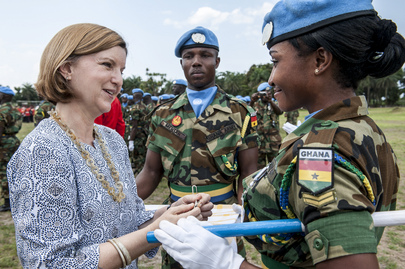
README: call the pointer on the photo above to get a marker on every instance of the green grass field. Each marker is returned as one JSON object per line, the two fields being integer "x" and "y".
{"x": 390, "y": 250}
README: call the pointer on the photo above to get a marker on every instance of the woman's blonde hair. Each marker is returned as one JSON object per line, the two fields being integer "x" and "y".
{"x": 67, "y": 46}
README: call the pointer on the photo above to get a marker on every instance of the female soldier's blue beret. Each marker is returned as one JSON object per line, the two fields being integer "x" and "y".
{"x": 292, "y": 18}
{"x": 197, "y": 37}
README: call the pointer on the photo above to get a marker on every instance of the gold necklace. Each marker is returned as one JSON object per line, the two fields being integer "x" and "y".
{"x": 117, "y": 196}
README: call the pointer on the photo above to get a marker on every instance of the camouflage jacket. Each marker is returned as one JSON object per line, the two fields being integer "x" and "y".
{"x": 138, "y": 112}
{"x": 336, "y": 207}
{"x": 191, "y": 149}
{"x": 292, "y": 116}
{"x": 42, "y": 111}
{"x": 10, "y": 119}
{"x": 268, "y": 127}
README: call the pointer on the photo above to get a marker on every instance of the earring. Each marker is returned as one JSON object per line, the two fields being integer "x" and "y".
{"x": 316, "y": 71}
{"x": 68, "y": 78}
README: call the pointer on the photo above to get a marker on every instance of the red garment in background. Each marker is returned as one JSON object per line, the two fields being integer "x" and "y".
{"x": 113, "y": 119}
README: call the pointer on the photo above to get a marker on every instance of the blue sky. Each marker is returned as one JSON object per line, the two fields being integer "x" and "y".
{"x": 151, "y": 29}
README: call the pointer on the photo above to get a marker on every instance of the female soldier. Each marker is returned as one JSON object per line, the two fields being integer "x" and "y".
{"x": 336, "y": 169}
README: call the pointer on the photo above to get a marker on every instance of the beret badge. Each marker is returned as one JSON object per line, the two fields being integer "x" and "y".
{"x": 267, "y": 31}
{"x": 198, "y": 38}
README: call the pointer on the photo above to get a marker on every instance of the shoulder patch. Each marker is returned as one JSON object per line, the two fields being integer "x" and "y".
{"x": 315, "y": 169}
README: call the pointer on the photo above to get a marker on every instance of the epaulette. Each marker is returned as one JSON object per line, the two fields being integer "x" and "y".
{"x": 243, "y": 103}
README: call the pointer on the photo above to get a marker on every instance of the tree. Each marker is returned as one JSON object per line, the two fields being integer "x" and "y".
{"x": 153, "y": 85}
{"x": 130, "y": 83}
{"x": 26, "y": 93}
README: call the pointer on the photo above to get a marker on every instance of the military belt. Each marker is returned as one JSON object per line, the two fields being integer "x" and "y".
{"x": 218, "y": 191}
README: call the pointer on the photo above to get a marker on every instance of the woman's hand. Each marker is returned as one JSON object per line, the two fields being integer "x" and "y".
{"x": 200, "y": 200}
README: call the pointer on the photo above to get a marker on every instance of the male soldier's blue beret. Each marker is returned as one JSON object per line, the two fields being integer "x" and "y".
{"x": 7, "y": 90}
{"x": 247, "y": 98}
{"x": 130, "y": 97}
{"x": 197, "y": 37}
{"x": 147, "y": 94}
{"x": 292, "y": 18}
{"x": 124, "y": 95}
{"x": 155, "y": 98}
{"x": 137, "y": 90}
{"x": 263, "y": 87}
{"x": 164, "y": 96}
{"x": 180, "y": 82}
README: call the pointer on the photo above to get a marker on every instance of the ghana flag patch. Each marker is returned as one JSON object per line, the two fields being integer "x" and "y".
{"x": 315, "y": 169}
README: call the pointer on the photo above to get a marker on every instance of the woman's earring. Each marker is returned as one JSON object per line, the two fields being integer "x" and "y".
{"x": 316, "y": 71}
{"x": 68, "y": 78}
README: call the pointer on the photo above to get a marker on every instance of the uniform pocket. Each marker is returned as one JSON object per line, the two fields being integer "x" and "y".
{"x": 170, "y": 140}
{"x": 223, "y": 145}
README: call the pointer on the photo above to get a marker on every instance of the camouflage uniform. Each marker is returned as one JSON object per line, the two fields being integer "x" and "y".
{"x": 138, "y": 112}
{"x": 11, "y": 121}
{"x": 193, "y": 150}
{"x": 328, "y": 209}
{"x": 126, "y": 115}
{"x": 292, "y": 116}
{"x": 42, "y": 111}
{"x": 268, "y": 129}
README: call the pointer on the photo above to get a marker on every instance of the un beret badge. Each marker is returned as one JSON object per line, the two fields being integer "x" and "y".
{"x": 267, "y": 31}
{"x": 198, "y": 38}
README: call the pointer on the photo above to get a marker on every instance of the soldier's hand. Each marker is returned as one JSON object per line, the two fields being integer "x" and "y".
{"x": 131, "y": 145}
{"x": 255, "y": 97}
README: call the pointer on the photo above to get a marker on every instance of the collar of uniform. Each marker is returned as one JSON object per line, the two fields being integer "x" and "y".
{"x": 180, "y": 101}
{"x": 219, "y": 99}
{"x": 347, "y": 109}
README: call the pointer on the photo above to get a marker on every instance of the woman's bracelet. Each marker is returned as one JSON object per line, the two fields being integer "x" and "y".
{"x": 124, "y": 251}
{"x": 123, "y": 259}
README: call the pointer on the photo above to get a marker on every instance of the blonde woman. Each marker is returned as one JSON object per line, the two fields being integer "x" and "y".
{"x": 73, "y": 196}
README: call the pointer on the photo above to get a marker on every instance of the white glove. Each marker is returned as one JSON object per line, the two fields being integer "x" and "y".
{"x": 195, "y": 247}
{"x": 131, "y": 145}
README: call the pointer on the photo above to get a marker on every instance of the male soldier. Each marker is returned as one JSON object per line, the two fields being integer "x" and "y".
{"x": 268, "y": 123}
{"x": 139, "y": 131}
{"x": 147, "y": 100}
{"x": 124, "y": 101}
{"x": 42, "y": 111}
{"x": 203, "y": 137}
{"x": 10, "y": 125}
{"x": 179, "y": 86}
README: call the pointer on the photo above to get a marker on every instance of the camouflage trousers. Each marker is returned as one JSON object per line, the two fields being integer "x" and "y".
{"x": 169, "y": 263}
{"x": 8, "y": 145}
